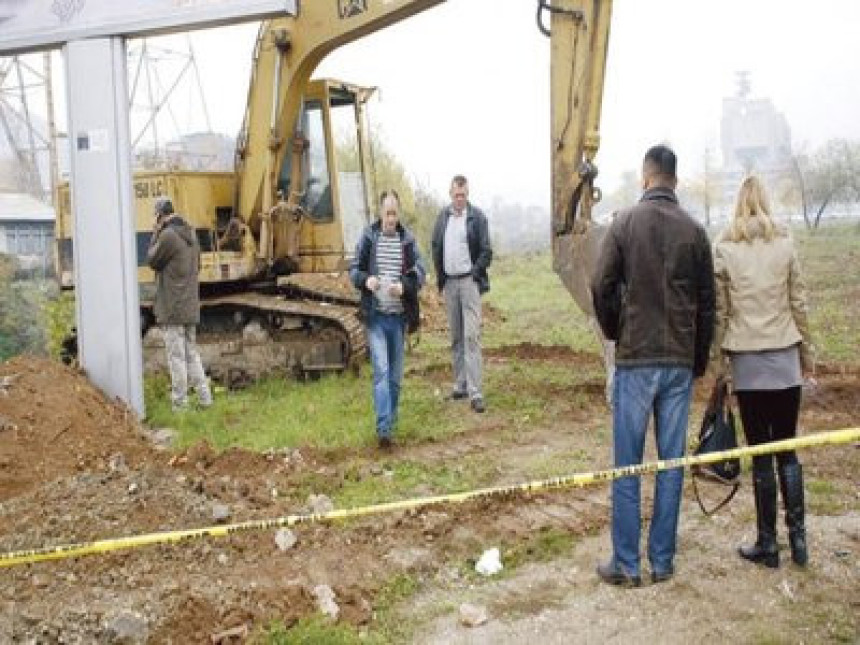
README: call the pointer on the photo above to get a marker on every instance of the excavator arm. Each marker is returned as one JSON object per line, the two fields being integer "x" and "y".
{"x": 579, "y": 37}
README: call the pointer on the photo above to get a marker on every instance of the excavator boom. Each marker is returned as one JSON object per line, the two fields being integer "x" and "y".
{"x": 288, "y": 51}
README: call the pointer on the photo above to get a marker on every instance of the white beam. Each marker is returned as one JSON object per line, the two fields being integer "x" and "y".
{"x": 105, "y": 256}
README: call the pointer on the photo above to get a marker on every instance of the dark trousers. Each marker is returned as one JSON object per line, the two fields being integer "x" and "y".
{"x": 770, "y": 415}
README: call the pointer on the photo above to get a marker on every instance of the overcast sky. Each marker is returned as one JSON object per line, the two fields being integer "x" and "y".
{"x": 465, "y": 85}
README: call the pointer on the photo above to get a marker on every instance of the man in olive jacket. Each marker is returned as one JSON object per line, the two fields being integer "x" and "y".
{"x": 654, "y": 295}
{"x": 174, "y": 255}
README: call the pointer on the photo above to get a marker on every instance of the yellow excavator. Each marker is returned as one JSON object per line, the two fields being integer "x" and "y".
{"x": 275, "y": 232}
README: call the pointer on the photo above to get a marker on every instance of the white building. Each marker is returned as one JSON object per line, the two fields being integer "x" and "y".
{"x": 27, "y": 231}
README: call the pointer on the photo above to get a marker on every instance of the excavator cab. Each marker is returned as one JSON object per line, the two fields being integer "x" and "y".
{"x": 333, "y": 199}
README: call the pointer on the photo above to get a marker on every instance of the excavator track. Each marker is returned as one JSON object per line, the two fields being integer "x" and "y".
{"x": 245, "y": 336}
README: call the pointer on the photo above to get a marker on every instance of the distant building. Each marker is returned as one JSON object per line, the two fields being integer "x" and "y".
{"x": 27, "y": 232}
{"x": 755, "y": 138}
{"x": 202, "y": 151}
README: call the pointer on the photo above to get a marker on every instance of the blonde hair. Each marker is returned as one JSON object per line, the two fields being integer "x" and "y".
{"x": 752, "y": 213}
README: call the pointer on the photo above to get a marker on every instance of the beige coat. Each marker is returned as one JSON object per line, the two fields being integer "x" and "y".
{"x": 761, "y": 296}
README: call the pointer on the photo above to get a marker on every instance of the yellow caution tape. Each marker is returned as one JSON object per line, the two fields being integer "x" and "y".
{"x": 13, "y": 558}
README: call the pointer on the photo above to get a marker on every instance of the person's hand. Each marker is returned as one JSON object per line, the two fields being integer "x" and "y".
{"x": 395, "y": 289}
{"x": 158, "y": 225}
{"x": 372, "y": 283}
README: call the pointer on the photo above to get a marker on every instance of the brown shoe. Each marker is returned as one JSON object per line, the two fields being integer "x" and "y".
{"x": 385, "y": 443}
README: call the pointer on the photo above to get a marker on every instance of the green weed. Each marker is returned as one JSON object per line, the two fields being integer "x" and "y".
{"x": 314, "y": 630}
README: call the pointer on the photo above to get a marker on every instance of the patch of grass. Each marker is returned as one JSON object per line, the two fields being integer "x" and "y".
{"x": 313, "y": 630}
{"x": 820, "y": 487}
{"x": 526, "y": 391}
{"x": 762, "y": 638}
{"x": 830, "y": 260}
{"x": 559, "y": 464}
{"x": 398, "y": 589}
{"x": 404, "y": 479}
{"x": 333, "y": 412}
{"x": 547, "y": 544}
{"x": 389, "y": 626}
{"x": 535, "y": 306}
{"x": 824, "y": 497}
{"x": 820, "y": 619}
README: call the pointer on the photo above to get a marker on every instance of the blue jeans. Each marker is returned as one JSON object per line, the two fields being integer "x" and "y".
{"x": 639, "y": 392}
{"x": 385, "y": 338}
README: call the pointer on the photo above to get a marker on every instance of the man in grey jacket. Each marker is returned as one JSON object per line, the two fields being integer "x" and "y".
{"x": 174, "y": 255}
{"x": 654, "y": 295}
{"x": 461, "y": 255}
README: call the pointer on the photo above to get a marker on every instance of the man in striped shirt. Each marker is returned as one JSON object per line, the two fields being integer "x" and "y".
{"x": 387, "y": 266}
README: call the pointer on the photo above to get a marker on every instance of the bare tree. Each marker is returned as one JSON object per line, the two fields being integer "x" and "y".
{"x": 828, "y": 176}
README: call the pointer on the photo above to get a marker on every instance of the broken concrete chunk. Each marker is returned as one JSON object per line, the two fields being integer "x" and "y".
{"x": 220, "y": 512}
{"x": 231, "y": 635}
{"x": 116, "y": 463}
{"x": 326, "y": 601}
{"x": 285, "y": 539}
{"x": 473, "y": 615}
{"x": 490, "y": 563}
{"x": 320, "y": 504}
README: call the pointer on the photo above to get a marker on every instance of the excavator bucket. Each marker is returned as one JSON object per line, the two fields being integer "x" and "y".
{"x": 574, "y": 258}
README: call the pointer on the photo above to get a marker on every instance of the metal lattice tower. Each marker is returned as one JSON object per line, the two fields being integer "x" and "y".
{"x": 29, "y": 132}
{"x": 164, "y": 86}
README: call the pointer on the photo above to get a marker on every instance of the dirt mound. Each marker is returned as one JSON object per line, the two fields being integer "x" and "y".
{"x": 54, "y": 422}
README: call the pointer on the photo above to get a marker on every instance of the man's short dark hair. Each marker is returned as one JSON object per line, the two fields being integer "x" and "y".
{"x": 459, "y": 181}
{"x": 661, "y": 161}
{"x": 163, "y": 206}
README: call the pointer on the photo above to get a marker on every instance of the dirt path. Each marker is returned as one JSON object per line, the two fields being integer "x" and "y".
{"x": 715, "y": 596}
{"x": 76, "y": 468}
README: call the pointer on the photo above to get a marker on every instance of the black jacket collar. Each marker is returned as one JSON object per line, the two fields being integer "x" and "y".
{"x": 666, "y": 194}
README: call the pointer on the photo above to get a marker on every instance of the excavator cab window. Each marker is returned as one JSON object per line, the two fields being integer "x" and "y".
{"x": 334, "y": 178}
{"x": 317, "y": 200}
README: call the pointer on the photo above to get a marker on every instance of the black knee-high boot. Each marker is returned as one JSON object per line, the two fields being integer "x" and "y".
{"x": 791, "y": 482}
{"x": 765, "y": 550}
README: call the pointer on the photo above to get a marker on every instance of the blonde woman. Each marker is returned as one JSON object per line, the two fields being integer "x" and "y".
{"x": 762, "y": 327}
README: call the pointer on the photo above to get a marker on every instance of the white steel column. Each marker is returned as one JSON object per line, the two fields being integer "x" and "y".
{"x": 105, "y": 255}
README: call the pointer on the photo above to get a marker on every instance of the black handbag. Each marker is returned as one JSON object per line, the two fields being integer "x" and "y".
{"x": 717, "y": 434}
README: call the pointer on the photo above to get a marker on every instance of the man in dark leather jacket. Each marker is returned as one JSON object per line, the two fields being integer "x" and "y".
{"x": 654, "y": 295}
